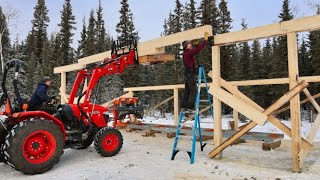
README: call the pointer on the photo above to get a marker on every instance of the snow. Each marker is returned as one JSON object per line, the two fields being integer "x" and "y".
{"x": 149, "y": 158}
{"x": 207, "y": 122}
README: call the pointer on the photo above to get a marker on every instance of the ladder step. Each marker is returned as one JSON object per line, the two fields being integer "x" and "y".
{"x": 204, "y": 101}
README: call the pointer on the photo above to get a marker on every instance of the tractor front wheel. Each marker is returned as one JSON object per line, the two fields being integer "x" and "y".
{"x": 108, "y": 142}
{"x": 34, "y": 146}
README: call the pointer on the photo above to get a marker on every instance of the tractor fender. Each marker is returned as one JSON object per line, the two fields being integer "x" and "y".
{"x": 21, "y": 116}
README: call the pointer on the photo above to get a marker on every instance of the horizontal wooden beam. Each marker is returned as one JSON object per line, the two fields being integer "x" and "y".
{"x": 95, "y": 58}
{"x": 68, "y": 68}
{"x": 263, "y": 82}
{"x": 252, "y": 136}
{"x": 159, "y": 88}
{"x": 149, "y": 59}
{"x": 277, "y": 29}
{"x": 178, "y": 38}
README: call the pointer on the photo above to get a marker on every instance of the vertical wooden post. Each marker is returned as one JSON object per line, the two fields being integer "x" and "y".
{"x": 216, "y": 76}
{"x": 236, "y": 119}
{"x": 295, "y": 101}
{"x": 63, "y": 87}
{"x": 176, "y": 105}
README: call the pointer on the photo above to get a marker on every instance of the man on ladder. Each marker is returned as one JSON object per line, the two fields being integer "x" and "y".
{"x": 189, "y": 62}
{"x": 191, "y": 101}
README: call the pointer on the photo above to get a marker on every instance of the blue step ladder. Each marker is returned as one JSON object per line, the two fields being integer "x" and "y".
{"x": 196, "y": 130}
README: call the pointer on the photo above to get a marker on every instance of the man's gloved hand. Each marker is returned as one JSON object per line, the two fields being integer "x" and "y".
{"x": 53, "y": 101}
{"x": 206, "y": 36}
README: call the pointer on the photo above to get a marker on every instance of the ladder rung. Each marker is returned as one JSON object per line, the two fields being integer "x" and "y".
{"x": 204, "y": 100}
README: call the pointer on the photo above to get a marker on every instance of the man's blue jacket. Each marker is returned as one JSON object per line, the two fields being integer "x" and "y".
{"x": 40, "y": 95}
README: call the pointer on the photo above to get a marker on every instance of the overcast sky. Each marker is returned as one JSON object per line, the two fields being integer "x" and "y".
{"x": 149, "y": 14}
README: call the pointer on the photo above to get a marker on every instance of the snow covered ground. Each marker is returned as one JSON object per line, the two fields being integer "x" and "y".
{"x": 149, "y": 158}
{"x": 207, "y": 122}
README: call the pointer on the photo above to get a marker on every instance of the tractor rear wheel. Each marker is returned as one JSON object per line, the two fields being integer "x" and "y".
{"x": 108, "y": 141}
{"x": 34, "y": 146}
{"x": 2, "y": 155}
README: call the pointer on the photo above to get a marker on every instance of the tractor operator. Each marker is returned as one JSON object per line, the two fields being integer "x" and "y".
{"x": 189, "y": 61}
{"x": 40, "y": 97}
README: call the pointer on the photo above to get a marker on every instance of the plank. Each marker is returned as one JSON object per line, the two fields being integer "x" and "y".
{"x": 217, "y": 115}
{"x": 314, "y": 129}
{"x": 94, "y": 58}
{"x": 298, "y": 25}
{"x": 232, "y": 139}
{"x": 170, "y": 129}
{"x": 239, "y": 105}
{"x": 235, "y": 119}
{"x": 156, "y": 58}
{"x": 271, "y": 118}
{"x": 295, "y": 113}
{"x": 68, "y": 68}
{"x": 301, "y": 103}
{"x": 63, "y": 87}
{"x": 176, "y": 105}
{"x": 263, "y": 82}
{"x": 158, "y": 105}
{"x": 312, "y": 100}
{"x": 177, "y": 38}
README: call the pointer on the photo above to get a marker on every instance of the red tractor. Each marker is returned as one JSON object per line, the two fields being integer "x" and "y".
{"x": 33, "y": 141}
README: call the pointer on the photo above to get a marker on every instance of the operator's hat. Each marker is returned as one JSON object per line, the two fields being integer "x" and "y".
{"x": 45, "y": 79}
{"x": 185, "y": 44}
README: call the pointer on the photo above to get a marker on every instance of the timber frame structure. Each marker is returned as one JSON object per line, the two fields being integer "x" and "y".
{"x": 228, "y": 93}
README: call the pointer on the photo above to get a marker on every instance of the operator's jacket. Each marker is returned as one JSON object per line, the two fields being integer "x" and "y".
{"x": 40, "y": 95}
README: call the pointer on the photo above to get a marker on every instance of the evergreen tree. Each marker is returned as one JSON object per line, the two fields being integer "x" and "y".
{"x": 314, "y": 50}
{"x": 4, "y": 38}
{"x": 90, "y": 42}
{"x": 209, "y": 14}
{"x": 101, "y": 31}
{"x": 224, "y": 24}
{"x": 125, "y": 28}
{"x": 39, "y": 30}
{"x": 67, "y": 25}
{"x": 82, "y": 41}
{"x": 279, "y": 68}
{"x": 244, "y": 57}
{"x": 190, "y": 15}
{"x": 305, "y": 65}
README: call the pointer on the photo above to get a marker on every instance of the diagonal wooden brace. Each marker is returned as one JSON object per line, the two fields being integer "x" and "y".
{"x": 285, "y": 98}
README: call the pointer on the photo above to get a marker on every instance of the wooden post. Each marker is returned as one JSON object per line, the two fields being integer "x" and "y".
{"x": 295, "y": 101}
{"x": 63, "y": 87}
{"x": 176, "y": 105}
{"x": 216, "y": 102}
{"x": 235, "y": 119}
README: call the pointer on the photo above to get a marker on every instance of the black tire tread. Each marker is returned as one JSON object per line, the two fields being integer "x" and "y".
{"x": 99, "y": 137}
{"x": 12, "y": 144}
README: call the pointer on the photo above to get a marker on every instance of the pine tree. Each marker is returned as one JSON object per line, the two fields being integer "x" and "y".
{"x": 4, "y": 38}
{"x": 101, "y": 31}
{"x": 279, "y": 68}
{"x": 67, "y": 24}
{"x": 224, "y": 24}
{"x": 125, "y": 28}
{"x": 190, "y": 15}
{"x": 209, "y": 14}
{"x": 36, "y": 45}
{"x": 39, "y": 29}
{"x": 314, "y": 50}
{"x": 305, "y": 65}
{"x": 244, "y": 57}
{"x": 81, "y": 43}
{"x": 90, "y": 43}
